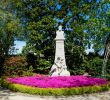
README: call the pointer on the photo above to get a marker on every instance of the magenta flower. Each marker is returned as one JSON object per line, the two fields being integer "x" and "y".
{"x": 57, "y": 82}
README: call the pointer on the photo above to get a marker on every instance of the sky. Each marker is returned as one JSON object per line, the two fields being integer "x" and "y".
{"x": 19, "y": 45}
{"x": 89, "y": 50}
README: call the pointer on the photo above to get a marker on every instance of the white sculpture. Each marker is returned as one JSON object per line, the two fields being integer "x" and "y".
{"x": 60, "y": 33}
{"x": 60, "y": 28}
{"x": 59, "y": 68}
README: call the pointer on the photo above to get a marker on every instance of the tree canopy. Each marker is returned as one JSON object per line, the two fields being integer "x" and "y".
{"x": 9, "y": 27}
{"x": 85, "y": 22}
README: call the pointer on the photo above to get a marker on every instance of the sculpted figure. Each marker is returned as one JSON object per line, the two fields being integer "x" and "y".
{"x": 59, "y": 69}
{"x": 55, "y": 68}
{"x": 63, "y": 71}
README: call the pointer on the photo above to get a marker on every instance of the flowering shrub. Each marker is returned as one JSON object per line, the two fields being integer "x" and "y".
{"x": 57, "y": 82}
{"x": 16, "y": 61}
{"x": 15, "y": 66}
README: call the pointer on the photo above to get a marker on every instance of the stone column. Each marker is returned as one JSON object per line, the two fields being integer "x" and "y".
{"x": 59, "y": 52}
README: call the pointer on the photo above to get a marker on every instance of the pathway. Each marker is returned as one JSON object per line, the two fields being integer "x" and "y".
{"x": 9, "y": 95}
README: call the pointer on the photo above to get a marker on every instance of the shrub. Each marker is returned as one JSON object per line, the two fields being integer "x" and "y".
{"x": 94, "y": 66}
{"x": 43, "y": 66}
{"x": 16, "y": 61}
{"x": 17, "y": 71}
{"x": 40, "y": 64}
{"x": 16, "y": 66}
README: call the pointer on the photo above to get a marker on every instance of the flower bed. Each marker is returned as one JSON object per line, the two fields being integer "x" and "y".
{"x": 45, "y": 85}
{"x": 57, "y": 82}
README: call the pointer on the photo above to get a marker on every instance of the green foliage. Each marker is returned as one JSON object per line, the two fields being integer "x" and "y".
{"x": 107, "y": 73}
{"x": 9, "y": 30}
{"x": 40, "y": 65}
{"x": 14, "y": 71}
{"x": 38, "y": 26}
{"x": 98, "y": 26}
{"x": 56, "y": 91}
{"x": 43, "y": 66}
{"x": 84, "y": 22}
{"x": 31, "y": 60}
{"x": 29, "y": 72}
{"x": 94, "y": 66}
{"x": 9, "y": 27}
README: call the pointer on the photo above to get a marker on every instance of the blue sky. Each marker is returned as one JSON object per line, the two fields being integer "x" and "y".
{"x": 90, "y": 50}
{"x": 19, "y": 45}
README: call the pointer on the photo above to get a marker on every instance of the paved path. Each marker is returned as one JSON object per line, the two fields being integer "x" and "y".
{"x": 9, "y": 95}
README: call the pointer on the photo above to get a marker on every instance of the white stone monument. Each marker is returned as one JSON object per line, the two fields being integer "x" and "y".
{"x": 59, "y": 67}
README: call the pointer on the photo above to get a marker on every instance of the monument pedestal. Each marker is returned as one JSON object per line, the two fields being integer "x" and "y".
{"x": 59, "y": 67}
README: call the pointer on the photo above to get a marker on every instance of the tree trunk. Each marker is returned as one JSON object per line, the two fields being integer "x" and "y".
{"x": 106, "y": 56}
{"x": 2, "y": 58}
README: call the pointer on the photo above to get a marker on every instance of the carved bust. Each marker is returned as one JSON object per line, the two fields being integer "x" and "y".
{"x": 60, "y": 28}
{"x": 60, "y": 33}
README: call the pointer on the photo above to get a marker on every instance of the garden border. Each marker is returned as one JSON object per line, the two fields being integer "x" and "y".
{"x": 54, "y": 91}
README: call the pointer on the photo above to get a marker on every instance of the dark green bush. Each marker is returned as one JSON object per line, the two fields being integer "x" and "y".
{"x": 43, "y": 66}
{"x": 17, "y": 71}
{"x": 94, "y": 66}
{"x": 40, "y": 64}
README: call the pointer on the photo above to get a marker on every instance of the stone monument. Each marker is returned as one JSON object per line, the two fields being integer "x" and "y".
{"x": 59, "y": 67}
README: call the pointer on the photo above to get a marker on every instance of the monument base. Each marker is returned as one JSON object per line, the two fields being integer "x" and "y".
{"x": 59, "y": 69}
{"x": 63, "y": 73}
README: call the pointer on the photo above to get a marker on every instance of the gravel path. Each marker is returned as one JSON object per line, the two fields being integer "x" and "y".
{"x": 9, "y": 95}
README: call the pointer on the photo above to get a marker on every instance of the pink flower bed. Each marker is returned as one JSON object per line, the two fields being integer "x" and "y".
{"x": 57, "y": 82}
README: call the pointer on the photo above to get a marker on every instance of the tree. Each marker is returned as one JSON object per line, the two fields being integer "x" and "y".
{"x": 9, "y": 25}
{"x": 39, "y": 24}
{"x": 75, "y": 15}
{"x": 40, "y": 19}
{"x": 99, "y": 32}
{"x": 98, "y": 25}
{"x": 84, "y": 23}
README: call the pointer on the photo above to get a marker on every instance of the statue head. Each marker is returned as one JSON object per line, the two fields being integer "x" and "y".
{"x": 60, "y": 28}
{"x": 58, "y": 60}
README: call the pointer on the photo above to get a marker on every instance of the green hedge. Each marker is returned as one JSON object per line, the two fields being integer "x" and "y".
{"x": 54, "y": 91}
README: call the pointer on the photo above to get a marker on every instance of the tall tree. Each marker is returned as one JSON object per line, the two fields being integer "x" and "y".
{"x": 37, "y": 19}
{"x": 41, "y": 17}
{"x": 81, "y": 20}
{"x": 75, "y": 15}
{"x": 8, "y": 30}
{"x": 99, "y": 32}
{"x": 98, "y": 25}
